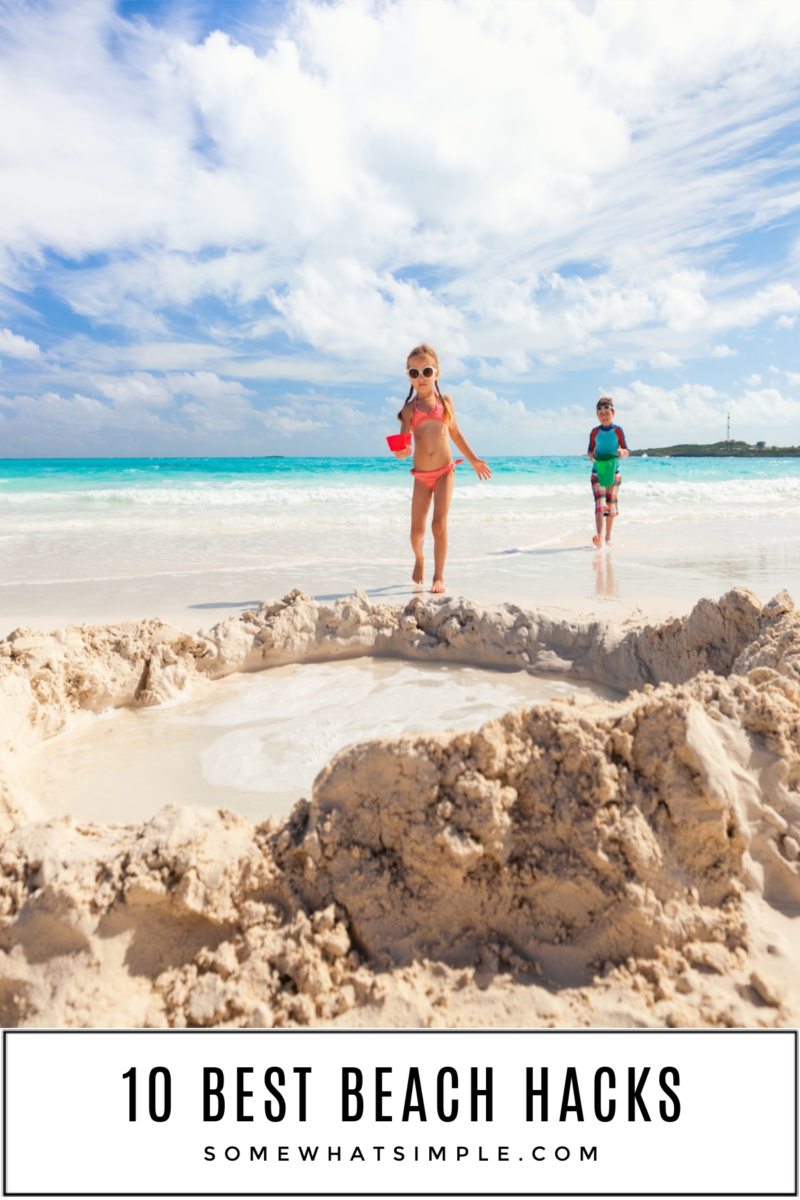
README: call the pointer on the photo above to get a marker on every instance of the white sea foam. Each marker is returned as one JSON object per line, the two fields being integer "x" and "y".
{"x": 241, "y": 495}
{"x": 222, "y": 496}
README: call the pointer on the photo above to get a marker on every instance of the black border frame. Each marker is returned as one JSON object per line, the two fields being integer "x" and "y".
{"x": 793, "y": 1033}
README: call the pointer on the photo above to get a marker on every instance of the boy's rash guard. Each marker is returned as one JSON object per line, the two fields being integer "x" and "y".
{"x": 612, "y": 445}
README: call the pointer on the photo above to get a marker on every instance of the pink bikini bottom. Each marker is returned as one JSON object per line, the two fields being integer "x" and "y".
{"x": 431, "y": 478}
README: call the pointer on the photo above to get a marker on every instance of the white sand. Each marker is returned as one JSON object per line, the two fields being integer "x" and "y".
{"x": 653, "y": 570}
{"x": 614, "y": 586}
{"x": 628, "y": 863}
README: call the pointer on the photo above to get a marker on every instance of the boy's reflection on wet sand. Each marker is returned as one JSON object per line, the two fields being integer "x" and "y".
{"x": 606, "y": 584}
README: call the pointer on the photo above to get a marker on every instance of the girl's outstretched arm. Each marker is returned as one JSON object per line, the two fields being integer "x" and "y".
{"x": 481, "y": 469}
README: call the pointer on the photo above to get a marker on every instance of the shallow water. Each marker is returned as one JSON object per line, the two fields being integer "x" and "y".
{"x": 196, "y": 540}
{"x": 254, "y": 743}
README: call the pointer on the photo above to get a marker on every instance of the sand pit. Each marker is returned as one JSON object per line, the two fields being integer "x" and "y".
{"x": 610, "y": 863}
{"x": 254, "y": 743}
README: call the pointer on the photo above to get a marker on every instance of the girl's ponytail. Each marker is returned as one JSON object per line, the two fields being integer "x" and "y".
{"x": 405, "y": 402}
{"x": 446, "y": 405}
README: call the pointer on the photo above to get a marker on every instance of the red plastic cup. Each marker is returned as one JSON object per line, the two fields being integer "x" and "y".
{"x": 399, "y": 441}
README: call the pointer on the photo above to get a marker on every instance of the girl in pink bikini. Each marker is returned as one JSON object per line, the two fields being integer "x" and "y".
{"x": 431, "y": 418}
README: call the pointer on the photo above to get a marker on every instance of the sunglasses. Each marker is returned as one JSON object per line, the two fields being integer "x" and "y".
{"x": 604, "y": 408}
{"x": 426, "y": 372}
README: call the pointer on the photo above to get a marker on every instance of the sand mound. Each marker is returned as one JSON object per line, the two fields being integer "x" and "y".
{"x": 633, "y": 862}
{"x": 45, "y": 677}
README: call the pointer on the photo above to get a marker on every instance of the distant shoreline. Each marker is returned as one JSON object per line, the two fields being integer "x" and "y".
{"x": 719, "y": 450}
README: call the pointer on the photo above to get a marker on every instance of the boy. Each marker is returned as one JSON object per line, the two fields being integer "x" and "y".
{"x": 607, "y": 446}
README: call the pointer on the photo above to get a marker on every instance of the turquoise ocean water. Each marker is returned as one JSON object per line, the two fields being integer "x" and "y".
{"x": 92, "y": 538}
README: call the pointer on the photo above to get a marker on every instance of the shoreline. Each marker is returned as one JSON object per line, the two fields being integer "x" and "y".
{"x": 619, "y": 862}
{"x": 194, "y": 542}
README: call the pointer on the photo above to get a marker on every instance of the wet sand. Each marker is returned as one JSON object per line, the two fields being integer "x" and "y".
{"x": 255, "y": 743}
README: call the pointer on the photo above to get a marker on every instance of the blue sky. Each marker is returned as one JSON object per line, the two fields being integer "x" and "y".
{"x": 222, "y": 226}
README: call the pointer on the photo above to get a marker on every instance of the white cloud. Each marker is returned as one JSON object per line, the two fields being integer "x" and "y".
{"x": 299, "y": 168}
{"x": 649, "y": 407}
{"x": 16, "y": 346}
{"x": 665, "y": 362}
{"x": 683, "y": 304}
{"x": 753, "y": 380}
{"x": 285, "y": 422}
{"x": 350, "y": 311}
{"x": 205, "y": 385}
{"x": 216, "y": 406}
{"x": 794, "y": 378}
{"x": 56, "y": 406}
{"x": 651, "y": 415}
{"x": 776, "y": 298}
{"x": 100, "y": 357}
{"x": 511, "y": 367}
{"x": 774, "y": 370}
{"x": 149, "y": 391}
{"x": 137, "y": 389}
{"x": 210, "y": 417}
{"x": 309, "y": 370}
{"x": 483, "y": 406}
{"x": 41, "y": 416}
{"x": 315, "y": 412}
{"x": 763, "y": 410}
{"x": 541, "y": 185}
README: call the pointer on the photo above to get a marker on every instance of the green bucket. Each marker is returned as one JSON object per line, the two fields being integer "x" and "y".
{"x": 605, "y": 466}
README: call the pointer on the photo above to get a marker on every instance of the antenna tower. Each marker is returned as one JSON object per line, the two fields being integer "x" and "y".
{"x": 728, "y": 436}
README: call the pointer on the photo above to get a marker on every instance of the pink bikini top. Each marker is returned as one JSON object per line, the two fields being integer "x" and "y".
{"x": 437, "y": 413}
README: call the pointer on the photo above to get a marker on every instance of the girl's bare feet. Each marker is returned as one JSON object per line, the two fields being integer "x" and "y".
{"x": 418, "y": 574}
{"x": 597, "y": 541}
{"x": 438, "y": 586}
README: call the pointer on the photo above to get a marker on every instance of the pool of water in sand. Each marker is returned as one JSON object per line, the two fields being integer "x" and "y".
{"x": 255, "y": 743}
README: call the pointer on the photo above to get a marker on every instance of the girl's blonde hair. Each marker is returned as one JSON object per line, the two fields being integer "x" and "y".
{"x": 426, "y": 351}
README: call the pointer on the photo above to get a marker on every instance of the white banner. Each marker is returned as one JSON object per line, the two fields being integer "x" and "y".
{"x": 346, "y": 1112}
